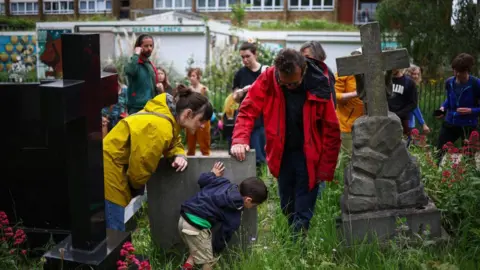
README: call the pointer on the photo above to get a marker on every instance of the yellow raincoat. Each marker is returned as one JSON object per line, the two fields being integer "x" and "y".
{"x": 133, "y": 148}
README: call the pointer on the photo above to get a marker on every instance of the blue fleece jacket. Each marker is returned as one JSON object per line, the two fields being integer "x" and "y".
{"x": 462, "y": 96}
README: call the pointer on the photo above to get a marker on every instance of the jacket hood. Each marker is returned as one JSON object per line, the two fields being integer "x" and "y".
{"x": 316, "y": 79}
{"x": 162, "y": 104}
{"x": 233, "y": 198}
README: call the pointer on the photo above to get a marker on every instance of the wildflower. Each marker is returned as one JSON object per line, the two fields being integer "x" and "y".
{"x": 415, "y": 132}
{"x": 121, "y": 265}
{"x": 12, "y": 251}
{"x": 446, "y": 174}
{"x": 24, "y": 252}
{"x": 8, "y": 232}
{"x": 145, "y": 265}
{"x": 334, "y": 250}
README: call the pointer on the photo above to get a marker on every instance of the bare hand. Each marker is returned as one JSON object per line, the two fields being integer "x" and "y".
{"x": 464, "y": 110}
{"x": 138, "y": 50}
{"x": 180, "y": 163}
{"x": 104, "y": 121}
{"x": 239, "y": 150}
{"x": 218, "y": 169}
{"x": 160, "y": 88}
{"x": 440, "y": 116}
{"x": 426, "y": 129}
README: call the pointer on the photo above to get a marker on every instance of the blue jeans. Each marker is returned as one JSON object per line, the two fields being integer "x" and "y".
{"x": 257, "y": 142}
{"x": 296, "y": 200}
{"x": 114, "y": 216}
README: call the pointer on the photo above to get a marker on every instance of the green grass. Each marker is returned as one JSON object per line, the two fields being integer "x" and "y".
{"x": 323, "y": 248}
{"x": 306, "y": 25}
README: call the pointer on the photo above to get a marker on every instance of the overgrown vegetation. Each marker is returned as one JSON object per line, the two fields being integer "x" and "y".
{"x": 306, "y": 25}
{"x": 425, "y": 29}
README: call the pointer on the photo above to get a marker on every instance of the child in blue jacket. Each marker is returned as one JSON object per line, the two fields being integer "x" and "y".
{"x": 219, "y": 203}
{"x": 462, "y": 105}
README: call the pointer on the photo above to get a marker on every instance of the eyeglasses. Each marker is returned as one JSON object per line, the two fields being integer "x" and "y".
{"x": 293, "y": 84}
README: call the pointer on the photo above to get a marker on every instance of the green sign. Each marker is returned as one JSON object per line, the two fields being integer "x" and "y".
{"x": 163, "y": 29}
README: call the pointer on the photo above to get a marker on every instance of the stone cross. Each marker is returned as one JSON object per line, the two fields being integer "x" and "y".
{"x": 372, "y": 63}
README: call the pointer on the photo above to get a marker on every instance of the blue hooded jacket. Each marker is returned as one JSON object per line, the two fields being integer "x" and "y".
{"x": 467, "y": 97}
{"x": 219, "y": 201}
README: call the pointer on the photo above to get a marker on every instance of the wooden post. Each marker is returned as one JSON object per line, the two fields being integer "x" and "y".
{"x": 76, "y": 9}
{"x": 41, "y": 16}
{"x": 7, "y": 8}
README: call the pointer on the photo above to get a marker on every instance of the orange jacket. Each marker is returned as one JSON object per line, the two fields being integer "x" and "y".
{"x": 347, "y": 110}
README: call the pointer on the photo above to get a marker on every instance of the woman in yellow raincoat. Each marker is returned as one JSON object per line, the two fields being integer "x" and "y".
{"x": 133, "y": 148}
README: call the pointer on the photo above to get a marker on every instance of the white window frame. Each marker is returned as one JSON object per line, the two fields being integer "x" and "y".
{"x": 173, "y": 7}
{"x": 96, "y": 9}
{"x": 321, "y": 7}
{"x": 262, "y": 6}
{"x": 33, "y": 3}
{"x": 60, "y": 10}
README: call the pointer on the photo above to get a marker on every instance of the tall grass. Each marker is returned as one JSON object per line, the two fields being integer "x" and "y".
{"x": 323, "y": 248}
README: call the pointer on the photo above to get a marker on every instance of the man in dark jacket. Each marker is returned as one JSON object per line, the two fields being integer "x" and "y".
{"x": 219, "y": 203}
{"x": 301, "y": 127}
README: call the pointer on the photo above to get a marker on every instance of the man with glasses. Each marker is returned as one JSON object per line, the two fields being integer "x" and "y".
{"x": 301, "y": 127}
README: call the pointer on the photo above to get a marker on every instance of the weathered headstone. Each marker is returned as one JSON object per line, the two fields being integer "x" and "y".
{"x": 167, "y": 190}
{"x": 382, "y": 181}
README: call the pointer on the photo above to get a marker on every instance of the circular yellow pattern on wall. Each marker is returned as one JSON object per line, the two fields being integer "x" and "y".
{"x": 15, "y": 57}
{"x": 14, "y": 39}
{"x": 9, "y": 66}
{"x": 25, "y": 39}
{"x": 19, "y": 48}
{"x": 9, "y": 47}
{"x": 4, "y": 57}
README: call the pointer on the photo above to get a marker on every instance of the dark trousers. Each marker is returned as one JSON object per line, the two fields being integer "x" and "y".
{"x": 449, "y": 133}
{"x": 257, "y": 142}
{"x": 296, "y": 200}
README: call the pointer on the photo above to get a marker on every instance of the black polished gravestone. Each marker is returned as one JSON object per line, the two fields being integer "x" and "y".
{"x": 54, "y": 159}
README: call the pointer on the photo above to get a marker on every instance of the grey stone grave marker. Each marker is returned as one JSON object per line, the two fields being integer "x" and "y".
{"x": 382, "y": 181}
{"x": 167, "y": 190}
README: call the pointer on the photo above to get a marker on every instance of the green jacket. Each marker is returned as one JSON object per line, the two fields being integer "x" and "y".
{"x": 141, "y": 77}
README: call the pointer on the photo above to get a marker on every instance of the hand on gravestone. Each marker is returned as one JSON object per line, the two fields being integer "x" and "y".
{"x": 218, "y": 169}
{"x": 180, "y": 163}
{"x": 239, "y": 150}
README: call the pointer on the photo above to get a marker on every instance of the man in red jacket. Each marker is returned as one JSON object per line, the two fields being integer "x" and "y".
{"x": 301, "y": 127}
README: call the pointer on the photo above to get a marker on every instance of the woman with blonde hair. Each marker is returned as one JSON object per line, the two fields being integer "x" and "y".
{"x": 415, "y": 73}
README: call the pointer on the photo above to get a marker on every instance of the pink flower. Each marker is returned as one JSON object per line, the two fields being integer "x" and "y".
{"x": 415, "y": 132}
{"x": 24, "y": 252}
{"x": 12, "y": 251}
{"x": 121, "y": 265}
{"x": 145, "y": 265}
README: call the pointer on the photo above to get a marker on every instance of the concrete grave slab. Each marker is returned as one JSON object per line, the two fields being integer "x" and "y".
{"x": 167, "y": 190}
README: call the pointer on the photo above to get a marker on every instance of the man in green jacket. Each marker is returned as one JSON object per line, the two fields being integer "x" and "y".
{"x": 141, "y": 75}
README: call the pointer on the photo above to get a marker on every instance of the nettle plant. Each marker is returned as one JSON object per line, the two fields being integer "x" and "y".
{"x": 12, "y": 240}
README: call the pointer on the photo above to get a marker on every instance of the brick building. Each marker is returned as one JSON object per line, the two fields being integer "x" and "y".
{"x": 345, "y": 11}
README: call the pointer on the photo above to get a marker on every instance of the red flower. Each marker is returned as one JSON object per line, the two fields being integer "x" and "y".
{"x": 145, "y": 265}
{"x": 446, "y": 174}
{"x": 134, "y": 94}
{"x": 415, "y": 132}
{"x": 12, "y": 251}
{"x": 24, "y": 252}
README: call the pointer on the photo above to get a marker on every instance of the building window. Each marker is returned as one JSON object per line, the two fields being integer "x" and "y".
{"x": 57, "y": 7}
{"x": 366, "y": 11}
{"x": 2, "y": 8}
{"x": 23, "y": 8}
{"x": 253, "y": 5}
{"x": 173, "y": 4}
{"x": 326, "y": 5}
{"x": 95, "y": 6}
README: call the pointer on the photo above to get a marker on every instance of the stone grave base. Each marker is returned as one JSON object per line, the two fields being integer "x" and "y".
{"x": 168, "y": 189}
{"x": 381, "y": 225}
{"x": 104, "y": 257}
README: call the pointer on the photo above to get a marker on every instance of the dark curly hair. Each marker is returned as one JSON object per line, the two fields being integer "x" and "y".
{"x": 288, "y": 59}
{"x": 463, "y": 62}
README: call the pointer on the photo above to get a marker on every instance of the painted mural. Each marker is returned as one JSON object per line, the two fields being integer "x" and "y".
{"x": 16, "y": 47}
{"x": 50, "y": 53}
